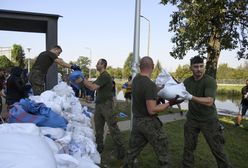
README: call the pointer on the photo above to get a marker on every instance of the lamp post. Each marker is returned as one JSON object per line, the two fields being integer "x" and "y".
{"x": 148, "y": 47}
{"x": 90, "y": 60}
{"x": 28, "y": 59}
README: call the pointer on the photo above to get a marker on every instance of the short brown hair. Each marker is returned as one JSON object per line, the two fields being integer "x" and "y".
{"x": 57, "y": 47}
{"x": 146, "y": 62}
{"x": 196, "y": 60}
{"x": 104, "y": 62}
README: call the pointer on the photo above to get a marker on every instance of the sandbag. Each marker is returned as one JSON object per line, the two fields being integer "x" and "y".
{"x": 24, "y": 150}
{"x": 169, "y": 87}
{"x": 26, "y": 111}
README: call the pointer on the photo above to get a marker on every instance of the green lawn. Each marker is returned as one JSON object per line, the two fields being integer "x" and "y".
{"x": 235, "y": 147}
{"x": 229, "y": 89}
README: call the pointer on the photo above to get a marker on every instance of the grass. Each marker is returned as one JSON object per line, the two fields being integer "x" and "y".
{"x": 235, "y": 147}
{"x": 229, "y": 89}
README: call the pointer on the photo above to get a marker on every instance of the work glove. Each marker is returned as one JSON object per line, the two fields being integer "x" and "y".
{"x": 174, "y": 101}
{"x": 75, "y": 67}
{"x": 186, "y": 95}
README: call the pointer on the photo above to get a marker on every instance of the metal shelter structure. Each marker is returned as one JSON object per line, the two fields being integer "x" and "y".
{"x": 37, "y": 23}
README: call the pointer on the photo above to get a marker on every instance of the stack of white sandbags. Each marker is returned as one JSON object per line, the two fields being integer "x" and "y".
{"x": 169, "y": 87}
{"x": 22, "y": 146}
{"x": 74, "y": 147}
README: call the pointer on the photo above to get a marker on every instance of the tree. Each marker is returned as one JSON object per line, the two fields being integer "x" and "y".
{"x": 18, "y": 55}
{"x": 84, "y": 63}
{"x": 182, "y": 72}
{"x": 127, "y": 69}
{"x": 118, "y": 73}
{"x": 5, "y": 62}
{"x": 209, "y": 27}
{"x": 224, "y": 72}
{"x": 110, "y": 70}
{"x": 157, "y": 70}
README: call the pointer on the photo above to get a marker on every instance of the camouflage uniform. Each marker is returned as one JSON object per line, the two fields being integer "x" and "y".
{"x": 202, "y": 118}
{"x": 104, "y": 113}
{"x": 145, "y": 128}
{"x": 39, "y": 70}
{"x": 37, "y": 80}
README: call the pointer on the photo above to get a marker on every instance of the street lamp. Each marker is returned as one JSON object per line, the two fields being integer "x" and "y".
{"x": 90, "y": 60}
{"x": 28, "y": 59}
{"x": 148, "y": 47}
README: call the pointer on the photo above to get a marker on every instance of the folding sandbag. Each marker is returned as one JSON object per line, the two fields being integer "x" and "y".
{"x": 18, "y": 115}
{"x": 75, "y": 74}
{"x": 53, "y": 119}
{"x": 25, "y": 149}
{"x": 30, "y": 112}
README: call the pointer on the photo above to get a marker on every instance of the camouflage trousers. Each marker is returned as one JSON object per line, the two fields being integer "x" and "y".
{"x": 212, "y": 131}
{"x": 1, "y": 104}
{"x": 37, "y": 80}
{"x": 147, "y": 130}
{"x": 104, "y": 113}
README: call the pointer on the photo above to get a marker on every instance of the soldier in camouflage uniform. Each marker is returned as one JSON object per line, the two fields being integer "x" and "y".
{"x": 104, "y": 108}
{"x": 39, "y": 70}
{"x": 202, "y": 115}
{"x": 146, "y": 126}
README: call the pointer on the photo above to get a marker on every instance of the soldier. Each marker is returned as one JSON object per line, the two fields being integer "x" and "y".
{"x": 43, "y": 62}
{"x": 243, "y": 104}
{"x": 146, "y": 126}
{"x": 104, "y": 108}
{"x": 202, "y": 115}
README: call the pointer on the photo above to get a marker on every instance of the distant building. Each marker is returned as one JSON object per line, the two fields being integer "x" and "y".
{"x": 6, "y": 51}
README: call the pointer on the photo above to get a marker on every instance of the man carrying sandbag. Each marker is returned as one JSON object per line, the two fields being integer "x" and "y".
{"x": 202, "y": 115}
{"x": 43, "y": 62}
{"x": 146, "y": 126}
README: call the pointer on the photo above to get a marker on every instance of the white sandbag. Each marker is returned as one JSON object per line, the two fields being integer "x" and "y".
{"x": 54, "y": 133}
{"x": 27, "y": 128}
{"x": 164, "y": 78}
{"x": 171, "y": 91}
{"x": 22, "y": 150}
{"x": 53, "y": 146}
{"x": 64, "y": 142}
{"x": 170, "y": 88}
{"x": 66, "y": 161}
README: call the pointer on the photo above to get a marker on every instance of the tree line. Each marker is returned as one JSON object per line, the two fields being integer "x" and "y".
{"x": 181, "y": 72}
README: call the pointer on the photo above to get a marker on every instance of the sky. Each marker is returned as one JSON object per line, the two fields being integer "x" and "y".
{"x": 106, "y": 28}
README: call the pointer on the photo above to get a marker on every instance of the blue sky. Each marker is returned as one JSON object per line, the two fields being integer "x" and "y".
{"x": 107, "y": 27}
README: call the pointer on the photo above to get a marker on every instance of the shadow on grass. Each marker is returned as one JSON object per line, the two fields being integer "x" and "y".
{"x": 236, "y": 147}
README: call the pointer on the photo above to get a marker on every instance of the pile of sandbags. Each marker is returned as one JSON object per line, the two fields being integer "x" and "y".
{"x": 71, "y": 147}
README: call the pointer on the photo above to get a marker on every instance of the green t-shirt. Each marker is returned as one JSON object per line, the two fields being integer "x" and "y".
{"x": 104, "y": 93}
{"x": 44, "y": 61}
{"x": 205, "y": 87}
{"x": 142, "y": 89}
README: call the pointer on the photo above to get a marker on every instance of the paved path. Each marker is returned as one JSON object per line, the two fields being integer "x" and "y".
{"x": 125, "y": 125}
